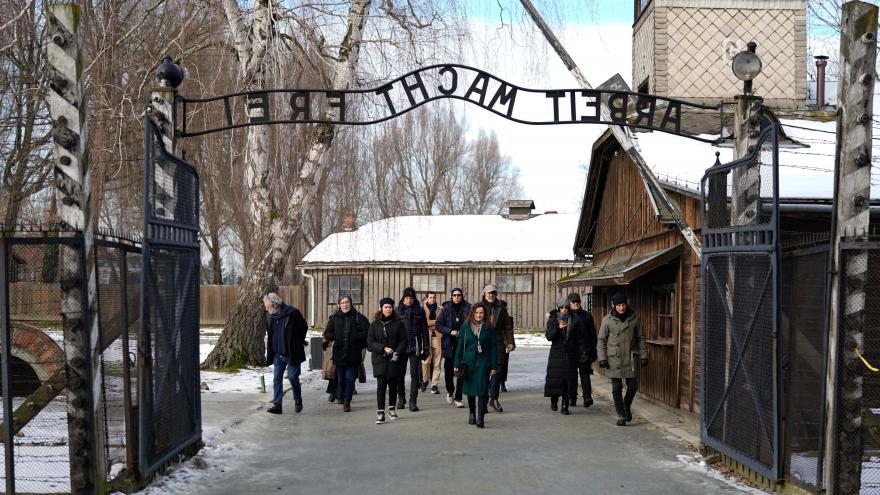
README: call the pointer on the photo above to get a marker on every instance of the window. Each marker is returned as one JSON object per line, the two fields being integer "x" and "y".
{"x": 429, "y": 282}
{"x": 521, "y": 282}
{"x": 345, "y": 284}
{"x": 664, "y": 311}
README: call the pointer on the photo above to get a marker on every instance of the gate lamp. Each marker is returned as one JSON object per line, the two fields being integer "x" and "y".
{"x": 746, "y": 66}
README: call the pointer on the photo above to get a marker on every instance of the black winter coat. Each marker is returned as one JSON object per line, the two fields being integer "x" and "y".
{"x": 384, "y": 334}
{"x": 590, "y": 332}
{"x": 502, "y": 322}
{"x": 416, "y": 322}
{"x": 566, "y": 348}
{"x": 295, "y": 329}
{"x": 451, "y": 318}
{"x": 348, "y": 332}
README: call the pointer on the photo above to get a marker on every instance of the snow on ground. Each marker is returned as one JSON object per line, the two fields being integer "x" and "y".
{"x": 695, "y": 462}
{"x": 532, "y": 340}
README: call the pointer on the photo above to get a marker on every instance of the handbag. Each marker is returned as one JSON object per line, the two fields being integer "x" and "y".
{"x": 463, "y": 368}
{"x": 329, "y": 367}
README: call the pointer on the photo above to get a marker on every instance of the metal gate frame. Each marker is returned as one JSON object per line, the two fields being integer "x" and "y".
{"x": 728, "y": 242}
{"x": 163, "y": 233}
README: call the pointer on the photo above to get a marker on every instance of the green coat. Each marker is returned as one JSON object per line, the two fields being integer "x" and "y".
{"x": 618, "y": 341}
{"x": 479, "y": 365}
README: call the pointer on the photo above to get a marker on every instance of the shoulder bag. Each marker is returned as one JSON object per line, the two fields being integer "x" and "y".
{"x": 463, "y": 368}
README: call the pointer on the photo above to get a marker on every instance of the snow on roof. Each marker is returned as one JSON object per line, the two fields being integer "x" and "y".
{"x": 804, "y": 172}
{"x": 452, "y": 238}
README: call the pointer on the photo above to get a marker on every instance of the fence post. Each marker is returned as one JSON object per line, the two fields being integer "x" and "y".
{"x": 852, "y": 182}
{"x": 67, "y": 109}
{"x": 6, "y": 347}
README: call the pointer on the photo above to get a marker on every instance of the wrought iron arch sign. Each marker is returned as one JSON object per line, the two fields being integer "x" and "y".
{"x": 430, "y": 83}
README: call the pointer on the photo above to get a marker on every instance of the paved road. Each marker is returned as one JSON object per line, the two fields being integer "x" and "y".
{"x": 525, "y": 450}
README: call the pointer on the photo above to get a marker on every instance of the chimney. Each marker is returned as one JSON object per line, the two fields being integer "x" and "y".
{"x": 551, "y": 212}
{"x": 518, "y": 209}
{"x": 349, "y": 223}
{"x": 821, "y": 62}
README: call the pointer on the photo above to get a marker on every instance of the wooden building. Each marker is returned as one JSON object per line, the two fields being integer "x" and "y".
{"x": 524, "y": 254}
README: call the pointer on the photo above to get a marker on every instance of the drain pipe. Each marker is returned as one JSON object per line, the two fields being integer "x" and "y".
{"x": 311, "y": 280}
{"x": 821, "y": 63}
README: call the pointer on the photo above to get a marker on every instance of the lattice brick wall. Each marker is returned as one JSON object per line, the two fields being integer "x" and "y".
{"x": 643, "y": 51}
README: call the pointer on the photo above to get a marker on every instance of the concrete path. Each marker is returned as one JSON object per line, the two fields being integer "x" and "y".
{"x": 525, "y": 450}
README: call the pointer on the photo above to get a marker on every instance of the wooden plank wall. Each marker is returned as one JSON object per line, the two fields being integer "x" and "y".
{"x": 218, "y": 300}
{"x": 528, "y": 310}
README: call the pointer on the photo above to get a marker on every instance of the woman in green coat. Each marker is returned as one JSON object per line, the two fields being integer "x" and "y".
{"x": 477, "y": 351}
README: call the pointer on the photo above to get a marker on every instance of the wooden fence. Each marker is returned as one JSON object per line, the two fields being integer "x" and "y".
{"x": 42, "y": 301}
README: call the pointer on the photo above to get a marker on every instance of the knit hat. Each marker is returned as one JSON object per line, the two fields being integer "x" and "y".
{"x": 457, "y": 290}
{"x": 409, "y": 292}
{"x": 386, "y": 300}
{"x": 574, "y": 297}
{"x": 344, "y": 295}
{"x": 618, "y": 298}
{"x": 563, "y": 301}
{"x": 490, "y": 288}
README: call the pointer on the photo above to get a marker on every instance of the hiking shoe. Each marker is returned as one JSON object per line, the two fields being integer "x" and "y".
{"x": 554, "y": 405}
{"x": 424, "y": 386}
{"x": 629, "y": 416}
{"x": 380, "y": 417}
{"x": 298, "y": 406}
{"x": 565, "y": 411}
{"x": 435, "y": 390}
{"x": 449, "y": 398}
{"x": 275, "y": 409}
{"x": 458, "y": 403}
{"x": 392, "y": 413}
{"x": 621, "y": 421}
{"x": 346, "y": 407}
{"x": 588, "y": 402}
{"x": 401, "y": 404}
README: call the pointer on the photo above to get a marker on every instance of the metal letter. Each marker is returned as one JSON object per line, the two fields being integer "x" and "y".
{"x": 384, "y": 90}
{"x": 618, "y": 111}
{"x": 304, "y": 109}
{"x": 408, "y": 88}
{"x": 667, "y": 117}
{"x": 503, "y": 97}
{"x": 258, "y": 101}
{"x": 481, "y": 90}
{"x": 644, "y": 103}
{"x": 556, "y": 95}
{"x": 338, "y": 103}
{"x": 453, "y": 86}
{"x": 596, "y": 101}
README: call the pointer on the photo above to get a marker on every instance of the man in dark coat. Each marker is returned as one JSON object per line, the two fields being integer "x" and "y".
{"x": 417, "y": 349}
{"x": 347, "y": 329}
{"x": 452, "y": 315}
{"x": 585, "y": 366}
{"x": 286, "y": 329}
{"x": 503, "y": 325}
{"x": 568, "y": 348}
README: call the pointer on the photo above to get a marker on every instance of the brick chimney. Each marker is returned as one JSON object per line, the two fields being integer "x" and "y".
{"x": 518, "y": 209}
{"x": 349, "y": 222}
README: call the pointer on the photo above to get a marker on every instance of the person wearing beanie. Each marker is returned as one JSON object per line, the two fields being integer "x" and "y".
{"x": 417, "y": 349}
{"x": 386, "y": 341}
{"x": 476, "y": 355}
{"x": 622, "y": 333}
{"x": 498, "y": 317}
{"x": 568, "y": 348}
{"x": 584, "y": 366}
{"x": 449, "y": 322}
{"x": 347, "y": 330}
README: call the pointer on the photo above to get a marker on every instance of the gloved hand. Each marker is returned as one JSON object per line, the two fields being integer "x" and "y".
{"x": 644, "y": 362}
{"x": 423, "y": 355}
{"x": 583, "y": 359}
{"x": 603, "y": 364}
{"x": 395, "y": 357}
{"x": 325, "y": 344}
{"x": 510, "y": 348}
{"x": 305, "y": 343}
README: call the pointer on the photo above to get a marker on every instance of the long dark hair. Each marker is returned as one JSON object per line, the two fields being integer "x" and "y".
{"x": 487, "y": 316}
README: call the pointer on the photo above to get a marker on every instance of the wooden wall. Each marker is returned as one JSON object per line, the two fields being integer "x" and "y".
{"x": 528, "y": 310}
{"x": 217, "y": 301}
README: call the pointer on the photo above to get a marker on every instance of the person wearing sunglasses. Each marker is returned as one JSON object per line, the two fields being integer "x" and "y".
{"x": 585, "y": 366}
{"x": 449, "y": 322}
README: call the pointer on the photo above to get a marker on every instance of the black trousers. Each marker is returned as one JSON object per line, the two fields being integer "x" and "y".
{"x": 383, "y": 383}
{"x": 584, "y": 370}
{"x": 415, "y": 380}
{"x": 453, "y": 383}
{"x": 500, "y": 374}
{"x": 480, "y": 403}
{"x": 621, "y": 402}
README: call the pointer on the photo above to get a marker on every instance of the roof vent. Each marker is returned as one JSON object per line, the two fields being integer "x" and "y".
{"x": 518, "y": 209}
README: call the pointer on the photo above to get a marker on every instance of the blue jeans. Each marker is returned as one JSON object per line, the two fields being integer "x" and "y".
{"x": 345, "y": 376}
{"x": 293, "y": 370}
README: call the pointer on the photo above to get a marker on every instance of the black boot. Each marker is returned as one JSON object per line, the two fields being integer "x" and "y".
{"x": 553, "y": 403}
{"x": 627, "y": 414}
{"x": 482, "y": 406}
{"x": 297, "y": 405}
{"x": 401, "y": 404}
{"x": 588, "y": 402}
{"x": 565, "y": 406}
{"x": 412, "y": 405}
{"x": 332, "y": 397}
{"x": 472, "y": 418}
{"x": 275, "y": 409}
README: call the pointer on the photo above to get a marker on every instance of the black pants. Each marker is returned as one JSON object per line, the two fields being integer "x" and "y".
{"x": 481, "y": 406}
{"x": 415, "y": 380}
{"x": 584, "y": 370}
{"x": 500, "y": 374}
{"x": 381, "y": 384}
{"x": 622, "y": 403}
{"x": 453, "y": 383}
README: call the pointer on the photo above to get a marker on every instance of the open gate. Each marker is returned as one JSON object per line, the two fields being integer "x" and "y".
{"x": 740, "y": 413}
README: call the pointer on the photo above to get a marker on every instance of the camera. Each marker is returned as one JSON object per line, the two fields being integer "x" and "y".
{"x": 564, "y": 318}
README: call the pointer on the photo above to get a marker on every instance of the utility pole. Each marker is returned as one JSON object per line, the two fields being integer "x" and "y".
{"x": 67, "y": 109}
{"x": 850, "y": 220}
{"x": 621, "y": 133}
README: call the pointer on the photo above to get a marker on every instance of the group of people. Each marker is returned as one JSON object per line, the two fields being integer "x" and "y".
{"x": 472, "y": 343}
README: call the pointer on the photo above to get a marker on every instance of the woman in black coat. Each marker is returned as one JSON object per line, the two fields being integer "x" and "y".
{"x": 387, "y": 340}
{"x": 568, "y": 348}
{"x": 347, "y": 329}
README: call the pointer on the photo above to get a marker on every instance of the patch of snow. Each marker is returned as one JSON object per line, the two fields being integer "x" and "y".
{"x": 427, "y": 239}
{"x": 695, "y": 462}
{"x": 532, "y": 340}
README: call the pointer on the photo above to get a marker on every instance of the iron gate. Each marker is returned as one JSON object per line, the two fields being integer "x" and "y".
{"x": 740, "y": 306}
{"x": 170, "y": 407}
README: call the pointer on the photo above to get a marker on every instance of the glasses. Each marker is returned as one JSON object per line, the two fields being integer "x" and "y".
{"x": 575, "y": 302}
